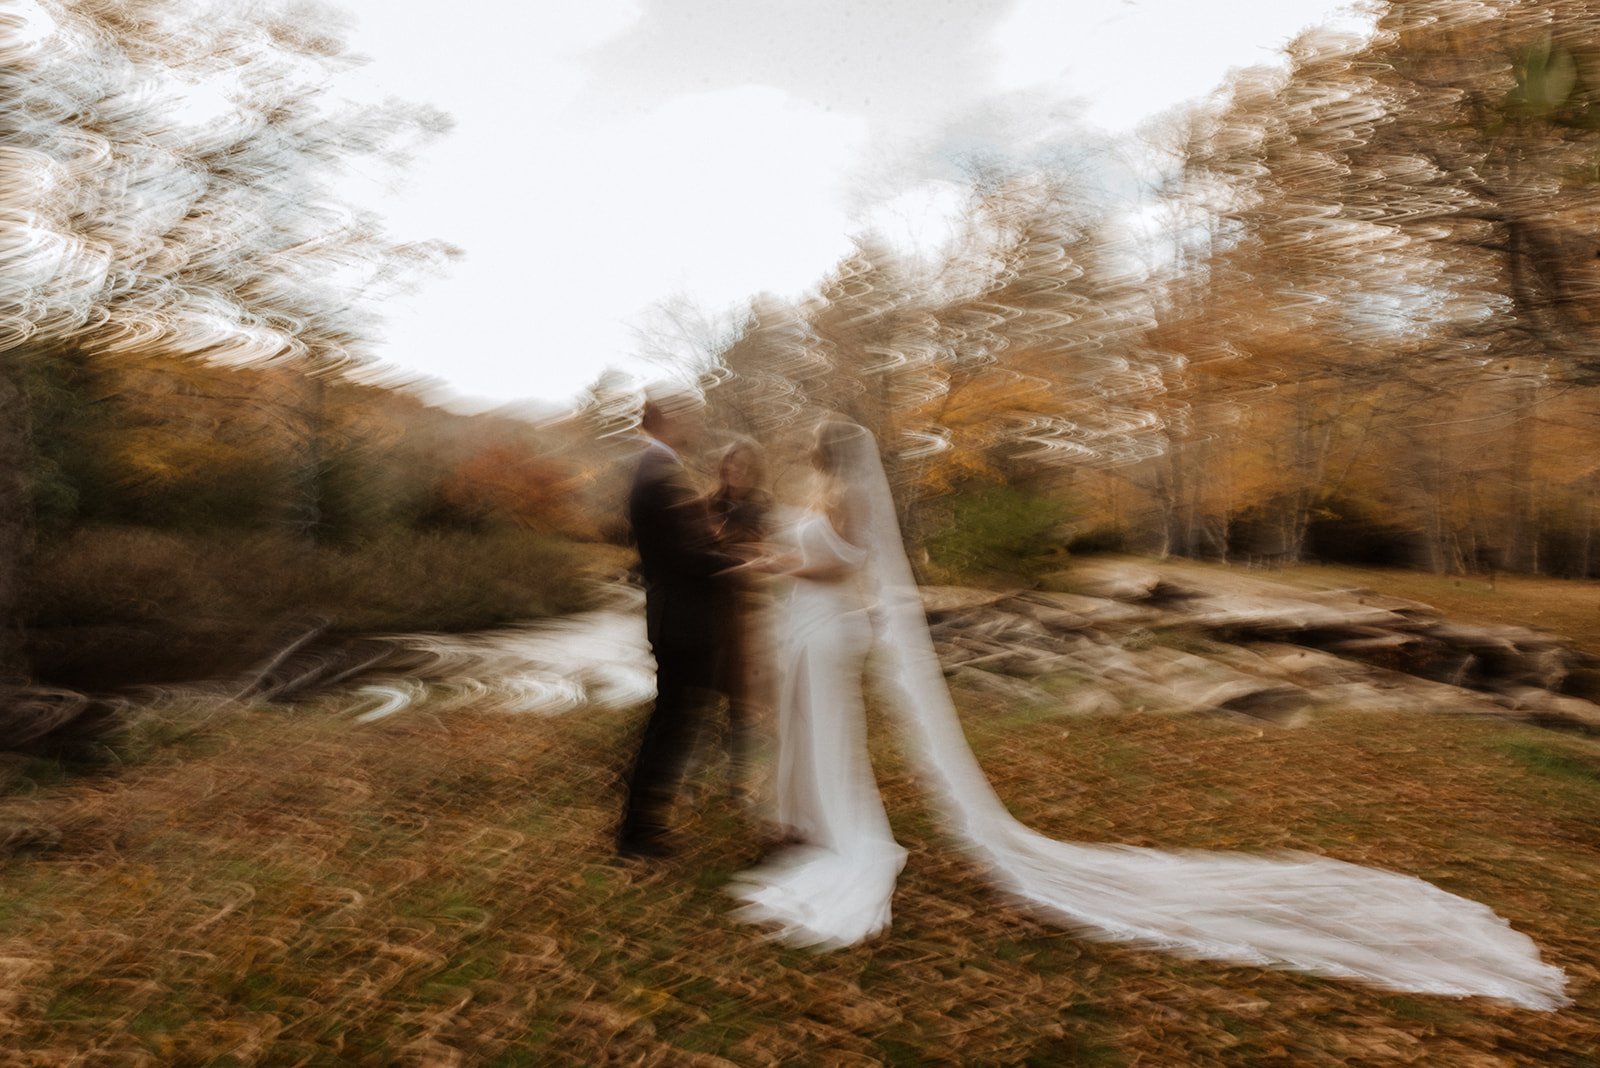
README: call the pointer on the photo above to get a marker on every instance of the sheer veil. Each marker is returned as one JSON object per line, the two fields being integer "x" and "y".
{"x": 1291, "y": 910}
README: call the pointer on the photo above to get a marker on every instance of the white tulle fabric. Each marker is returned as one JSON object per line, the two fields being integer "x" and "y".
{"x": 1290, "y": 910}
{"x": 835, "y": 889}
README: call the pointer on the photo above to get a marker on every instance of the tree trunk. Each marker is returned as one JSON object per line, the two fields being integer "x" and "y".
{"x": 1297, "y": 521}
{"x": 305, "y": 516}
{"x": 1178, "y": 540}
{"x": 16, "y": 513}
{"x": 1586, "y": 543}
{"x": 1163, "y": 496}
{"x": 1524, "y": 556}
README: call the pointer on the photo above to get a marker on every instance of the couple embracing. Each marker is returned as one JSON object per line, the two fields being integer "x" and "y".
{"x": 852, "y": 593}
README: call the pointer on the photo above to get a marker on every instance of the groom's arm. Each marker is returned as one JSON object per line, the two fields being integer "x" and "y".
{"x": 683, "y": 537}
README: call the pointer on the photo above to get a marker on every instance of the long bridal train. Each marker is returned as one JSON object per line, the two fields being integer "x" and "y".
{"x": 1296, "y": 911}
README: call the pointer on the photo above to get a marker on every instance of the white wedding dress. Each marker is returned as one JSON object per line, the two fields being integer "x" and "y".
{"x": 1292, "y": 910}
{"x": 835, "y": 889}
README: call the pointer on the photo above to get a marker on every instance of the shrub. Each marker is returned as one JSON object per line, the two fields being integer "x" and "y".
{"x": 120, "y": 605}
{"x": 998, "y": 530}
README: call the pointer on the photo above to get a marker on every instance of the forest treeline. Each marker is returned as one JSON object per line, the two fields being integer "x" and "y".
{"x": 199, "y": 459}
{"x": 188, "y": 518}
{"x": 1355, "y": 320}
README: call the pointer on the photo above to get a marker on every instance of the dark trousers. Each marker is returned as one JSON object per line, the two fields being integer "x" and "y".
{"x": 735, "y": 669}
{"x": 684, "y": 676}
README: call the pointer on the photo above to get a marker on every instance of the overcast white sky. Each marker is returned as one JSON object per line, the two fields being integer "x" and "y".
{"x": 612, "y": 154}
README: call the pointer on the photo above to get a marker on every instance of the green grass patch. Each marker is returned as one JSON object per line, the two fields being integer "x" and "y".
{"x": 1575, "y": 767}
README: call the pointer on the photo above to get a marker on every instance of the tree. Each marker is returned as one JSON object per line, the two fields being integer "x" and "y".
{"x": 170, "y": 181}
{"x": 1415, "y": 214}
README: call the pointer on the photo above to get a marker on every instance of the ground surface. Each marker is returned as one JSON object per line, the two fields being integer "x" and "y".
{"x": 287, "y": 887}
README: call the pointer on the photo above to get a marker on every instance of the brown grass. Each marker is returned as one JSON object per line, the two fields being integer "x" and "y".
{"x": 294, "y": 889}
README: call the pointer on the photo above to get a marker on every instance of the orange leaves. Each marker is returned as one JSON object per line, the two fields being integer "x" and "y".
{"x": 513, "y": 484}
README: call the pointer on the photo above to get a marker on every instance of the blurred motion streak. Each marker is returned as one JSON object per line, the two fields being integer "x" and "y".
{"x": 1355, "y": 323}
{"x": 1363, "y": 332}
{"x": 200, "y": 465}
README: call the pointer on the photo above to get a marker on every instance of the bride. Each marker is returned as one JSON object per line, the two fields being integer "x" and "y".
{"x": 854, "y": 592}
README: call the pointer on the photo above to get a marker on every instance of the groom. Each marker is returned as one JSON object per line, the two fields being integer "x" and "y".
{"x": 680, "y": 562}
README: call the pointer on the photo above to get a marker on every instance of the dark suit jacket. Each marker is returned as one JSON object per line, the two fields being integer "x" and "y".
{"x": 678, "y": 557}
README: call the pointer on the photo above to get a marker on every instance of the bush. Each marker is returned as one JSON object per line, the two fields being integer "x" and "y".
{"x": 448, "y": 580}
{"x": 997, "y": 530}
{"x": 1348, "y": 532}
{"x": 1102, "y": 539}
{"x": 113, "y": 606}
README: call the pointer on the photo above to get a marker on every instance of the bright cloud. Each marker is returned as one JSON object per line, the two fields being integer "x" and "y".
{"x": 613, "y": 154}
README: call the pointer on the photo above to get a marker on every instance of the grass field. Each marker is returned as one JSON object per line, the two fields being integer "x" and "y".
{"x": 289, "y": 888}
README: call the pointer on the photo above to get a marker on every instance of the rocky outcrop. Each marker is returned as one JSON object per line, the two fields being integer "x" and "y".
{"x": 1135, "y": 636}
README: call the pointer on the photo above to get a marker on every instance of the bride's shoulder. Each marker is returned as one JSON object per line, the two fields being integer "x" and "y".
{"x": 788, "y": 516}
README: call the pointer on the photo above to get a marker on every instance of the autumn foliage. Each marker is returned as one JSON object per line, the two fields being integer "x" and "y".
{"x": 1363, "y": 330}
{"x": 516, "y": 485}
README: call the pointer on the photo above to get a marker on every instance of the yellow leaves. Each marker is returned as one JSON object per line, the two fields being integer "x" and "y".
{"x": 515, "y": 484}
{"x": 162, "y": 458}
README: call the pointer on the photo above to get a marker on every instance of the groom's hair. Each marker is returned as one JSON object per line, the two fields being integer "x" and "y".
{"x": 663, "y": 402}
{"x": 650, "y": 415}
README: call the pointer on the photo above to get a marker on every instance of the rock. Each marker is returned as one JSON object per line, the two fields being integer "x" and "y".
{"x": 1541, "y": 706}
{"x": 1254, "y": 615}
{"x": 1283, "y": 706}
{"x": 1289, "y": 663}
{"x": 1414, "y": 694}
{"x": 1039, "y": 664}
{"x": 1115, "y": 580}
{"x": 939, "y": 601}
{"x": 1372, "y": 599}
{"x": 1371, "y": 642}
{"x": 1201, "y": 683}
{"x": 1166, "y": 592}
{"x": 1072, "y": 612}
{"x": 1275, "y": 651}
{"x": 992, "y": 623}
{"x": 1015, "y": 661}
{"x": 1108, "y": 662}
{"x": 1582, "y": 682}
{"x": 1090, "y": 700}
{"x": 1507, "y": 656}
{"x": 960, "y": 649}
{"x": 991, "y": 685}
